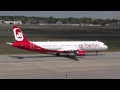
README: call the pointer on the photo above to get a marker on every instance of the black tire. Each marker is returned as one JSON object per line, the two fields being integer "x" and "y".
{"x": 57, "y": 54}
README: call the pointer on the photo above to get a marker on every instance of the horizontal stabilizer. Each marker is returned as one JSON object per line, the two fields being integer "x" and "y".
{"x": 8, "y": 43}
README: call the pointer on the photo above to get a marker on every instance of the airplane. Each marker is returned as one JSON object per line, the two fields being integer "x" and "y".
{"x": 78, "y": 48}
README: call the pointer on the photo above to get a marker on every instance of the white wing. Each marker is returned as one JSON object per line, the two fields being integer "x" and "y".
{"x": 8, "y": 43}
{"x": 68, "y": 49}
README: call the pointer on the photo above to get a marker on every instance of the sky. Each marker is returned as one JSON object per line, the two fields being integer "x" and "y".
{"x": 65, "y": 14}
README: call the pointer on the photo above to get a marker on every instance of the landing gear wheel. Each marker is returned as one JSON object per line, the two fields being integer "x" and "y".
{"x": 96, "y": 53}
{"x": 57, "y": 54}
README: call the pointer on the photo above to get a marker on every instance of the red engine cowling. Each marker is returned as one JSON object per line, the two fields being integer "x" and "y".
{"x": 81, "y": 52}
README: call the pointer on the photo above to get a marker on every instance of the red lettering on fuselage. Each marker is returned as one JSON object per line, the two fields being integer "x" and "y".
{"x": 88, "y": 45}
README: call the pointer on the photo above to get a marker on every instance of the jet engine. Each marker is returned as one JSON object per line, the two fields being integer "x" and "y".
{"x": 81, "y": 52}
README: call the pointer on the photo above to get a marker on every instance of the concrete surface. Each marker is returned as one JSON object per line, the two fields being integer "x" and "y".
{"x": 45, "y": 66}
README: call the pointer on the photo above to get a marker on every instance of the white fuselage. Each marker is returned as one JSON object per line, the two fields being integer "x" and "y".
{"x": 77, "y": 47}
{"x": 72, "y": 45}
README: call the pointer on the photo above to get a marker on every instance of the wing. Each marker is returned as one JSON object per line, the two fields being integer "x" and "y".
{"x": 76, "y": 51}
{"x": 68, "y": 49}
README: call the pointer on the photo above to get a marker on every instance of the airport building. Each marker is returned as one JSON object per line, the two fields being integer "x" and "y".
{"x": 13, "y": 22}
{"x": 1, "y": 21}
{"x": 59, "y": 22}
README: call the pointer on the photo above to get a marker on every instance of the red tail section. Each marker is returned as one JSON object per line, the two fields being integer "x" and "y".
{"x": 19, "y": 36}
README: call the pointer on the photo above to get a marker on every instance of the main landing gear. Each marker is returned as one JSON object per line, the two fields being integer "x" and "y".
{"x": 57, "y": 54}
{"x": 96, "y": 53}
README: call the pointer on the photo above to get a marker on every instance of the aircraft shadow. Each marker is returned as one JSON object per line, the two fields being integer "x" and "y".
{"x": 95, "y": 55}
{"x": 22, "y": 57}
{"x": 72, "y": 57}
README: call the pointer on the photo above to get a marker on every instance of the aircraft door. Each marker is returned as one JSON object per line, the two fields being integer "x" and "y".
{"x": 31, "y": 46}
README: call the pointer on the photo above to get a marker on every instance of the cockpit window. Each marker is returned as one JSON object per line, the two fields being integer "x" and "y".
{"x": 103, "y": 44}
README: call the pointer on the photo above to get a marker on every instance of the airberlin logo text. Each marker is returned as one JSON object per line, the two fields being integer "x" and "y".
{"x": 18, "y": 34}
{"x": 88, "y": 45}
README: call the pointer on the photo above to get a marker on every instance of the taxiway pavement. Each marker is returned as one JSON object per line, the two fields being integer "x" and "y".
{"x": 45, "y": 66}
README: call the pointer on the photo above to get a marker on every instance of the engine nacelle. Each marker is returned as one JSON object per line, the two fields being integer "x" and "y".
{"x": 81, "y": 52}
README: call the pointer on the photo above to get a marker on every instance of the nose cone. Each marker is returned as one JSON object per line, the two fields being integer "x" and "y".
{"x": 105, "y": 47}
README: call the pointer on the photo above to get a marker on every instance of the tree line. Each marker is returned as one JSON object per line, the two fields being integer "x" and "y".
{"x": 69, "y": 20}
